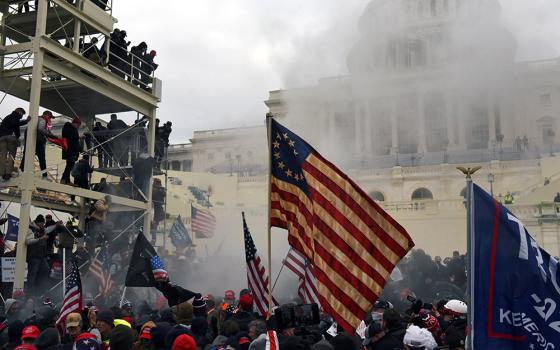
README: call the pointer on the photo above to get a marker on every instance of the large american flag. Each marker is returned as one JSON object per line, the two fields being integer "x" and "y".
{"x": 100, "y": 269}
{"x": 256, "y": 274}
{"x": 203, "y": 222}
{"x": 72, "y": 297}
{"x": 307, "y": 288}
{"x": 351, "y": 242}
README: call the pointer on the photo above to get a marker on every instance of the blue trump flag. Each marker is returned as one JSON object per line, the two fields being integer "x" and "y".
{"x": 13, "y": 228}
{"x": 179, "y": 234}
{"x": 516, "y": 290}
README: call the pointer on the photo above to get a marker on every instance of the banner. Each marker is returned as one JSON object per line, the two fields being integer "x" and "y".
{"x": 179, "y": 235}
{"x": 516, "y": 290}
{"x": 9, "y": 270}
{"x": 13, "y": 228}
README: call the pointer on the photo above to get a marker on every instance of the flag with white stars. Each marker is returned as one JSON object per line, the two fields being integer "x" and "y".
{"x": 146, "y": 267}
{"x": 257, "y": 277}
{"x": 72, "y": 297}
{"x": 351, "y": 243}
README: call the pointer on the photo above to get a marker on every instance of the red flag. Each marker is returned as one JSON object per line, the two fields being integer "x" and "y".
{"x": 62, "y": 143}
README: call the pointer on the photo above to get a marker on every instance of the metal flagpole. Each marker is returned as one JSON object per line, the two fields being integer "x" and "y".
{"x": 63, "y": 272}
{"x": 269, "y": 117}
{"x": 279, "y": 272}
{"x": 470, "y": 250}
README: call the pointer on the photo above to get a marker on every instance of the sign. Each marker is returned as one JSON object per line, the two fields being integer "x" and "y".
{"x": 516, "y": 288}
{"x": 13, "y": 228}
{"x": 9, "y": 270}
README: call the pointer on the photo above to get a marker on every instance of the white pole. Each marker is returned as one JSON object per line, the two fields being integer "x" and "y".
{"x": 63, "y": 272}
{"x": 122, "y": 297}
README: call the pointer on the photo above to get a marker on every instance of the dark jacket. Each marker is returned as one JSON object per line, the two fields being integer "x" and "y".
{"x": 70, "y": 133}
{"x": 81, "y": 171}
{"x": 116, "y": 124}
{"x": 392, "y": 340}
{"x": 11, "y": 123}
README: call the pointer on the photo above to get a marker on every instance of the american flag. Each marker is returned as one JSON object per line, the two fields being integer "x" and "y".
{"x": 158, "y": 268}
{"x": 203, "y": 222}
{"x": 256, "y": 274}
{"x": 351, "y": 242}
{"x": 100, "y": 269}
{"x": 298, "y": 264}
{"x": 272, "y": 341}
{"x": 72, "y": 296}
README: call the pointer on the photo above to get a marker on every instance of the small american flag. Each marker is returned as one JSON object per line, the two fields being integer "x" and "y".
{"x": 72, "y": 296}
{"x": 100, "y": 269}
{"x": 307, "y": 288}
{"x": 256, "y": 274}
{"x": 271, "y": 340}
{"x": 203, "y": 222}
{"x": 158, "y": 268}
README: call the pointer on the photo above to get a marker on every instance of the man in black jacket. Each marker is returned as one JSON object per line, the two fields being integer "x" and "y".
{"x": 394, "y": 332}
{"x": 72, "y": 136}
{"x": 120, "y": 144}
{"x": 9, "y": 135}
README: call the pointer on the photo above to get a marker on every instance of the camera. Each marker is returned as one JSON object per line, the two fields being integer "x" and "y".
{"x": 297, "y": 316}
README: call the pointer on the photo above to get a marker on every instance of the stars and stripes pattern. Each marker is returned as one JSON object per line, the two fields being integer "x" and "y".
{"x": 72, "y": 297}
{"x": 203, "y": 222}
{"x": 351, "y": 242}
{"x": 272, "y": 341}
{"x": 158, "y": 268}
{"x": 100, "y": 268}
{"x": 298, "y": 264}
{"x": 257, "y": 277}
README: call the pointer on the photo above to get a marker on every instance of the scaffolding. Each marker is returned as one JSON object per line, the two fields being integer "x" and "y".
{"x": 37, "y": 67}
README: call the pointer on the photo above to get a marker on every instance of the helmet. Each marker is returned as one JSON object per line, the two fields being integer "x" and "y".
{"x": 382, "y": 304}
{"x": 456, "y": 307}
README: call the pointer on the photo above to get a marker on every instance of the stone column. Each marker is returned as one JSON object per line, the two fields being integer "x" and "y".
{"x": 394, "y": 128}
{"x": 421, "y": 117}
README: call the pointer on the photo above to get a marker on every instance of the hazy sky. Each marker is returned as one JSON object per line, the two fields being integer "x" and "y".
{"x": 219, "y": 58}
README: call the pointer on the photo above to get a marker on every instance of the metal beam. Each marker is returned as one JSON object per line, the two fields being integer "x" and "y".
{"x": 16, "y": 48}
{"x": 105, "y": 83}
{"x": 11, "y": 73}
{"x": 80, "y": 192}
{"x": 83, "y": 16}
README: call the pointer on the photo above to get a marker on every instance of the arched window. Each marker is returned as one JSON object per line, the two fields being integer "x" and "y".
{"x": 377, "y": 196}
{"x": 422, "y": 193}
{"x": 433, "y": 8}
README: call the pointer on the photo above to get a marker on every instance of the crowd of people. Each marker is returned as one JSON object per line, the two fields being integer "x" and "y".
{"x": 180, "y": 319}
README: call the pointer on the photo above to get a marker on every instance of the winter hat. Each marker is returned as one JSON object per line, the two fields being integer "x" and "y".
{"x": 87, "y": 341}
{"x": 30, "y": 332}
{"x": 40, "y": 219}
{"x": 15, "y": 329}
{"x": 106, "y": 316}
{"x": 199, "y": 305}
{"x": 121, "y": 338}
{"x": 184, "y": 342}
{"x": 184, "y": 313}
{"x": 419, "y": 338}
{"x": 174, "y": 333}
{"x": 129, "y": 320}
{"x": 246, "y": 302}
{"x": 48, "y": 338}
{"x": 158, "y": 334}
{"x": 77, "y": 121}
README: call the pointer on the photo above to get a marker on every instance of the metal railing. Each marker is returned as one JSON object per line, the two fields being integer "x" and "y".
{"x": 15, "y": 8}
{"x": 130, "y": 67}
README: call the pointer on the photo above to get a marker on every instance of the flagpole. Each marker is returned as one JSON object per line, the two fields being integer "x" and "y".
{"x": 280, "y": 272}
{"x": 470, "y": 251}
{"x": 269, "y": 117}
{"x": 122, "y": 297}
{"x": 63, "y": 272}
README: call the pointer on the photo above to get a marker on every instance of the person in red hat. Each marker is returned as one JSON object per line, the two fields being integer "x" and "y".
{"x": 148, "y": 67}
{"x": 184, "y": 342}
{"x": 29, "y": 334}
{"x": 72, "y": 136}
{"x": 44, "y": 127}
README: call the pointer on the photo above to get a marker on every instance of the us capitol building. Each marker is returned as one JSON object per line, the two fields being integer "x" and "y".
{"x": 431, "y": 85}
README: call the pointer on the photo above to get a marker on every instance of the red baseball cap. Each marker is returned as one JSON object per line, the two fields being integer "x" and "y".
{"x": 146, "y": 333}
{"x": 184, "y": 342}
{"x": 25, "y": 347}
{"x": 30, "y": 332}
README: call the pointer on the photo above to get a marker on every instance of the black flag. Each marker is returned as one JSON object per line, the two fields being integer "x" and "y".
{"x": 144, "y": 265}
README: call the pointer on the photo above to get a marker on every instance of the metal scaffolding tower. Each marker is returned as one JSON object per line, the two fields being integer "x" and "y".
{"x": 62, "y": 80}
